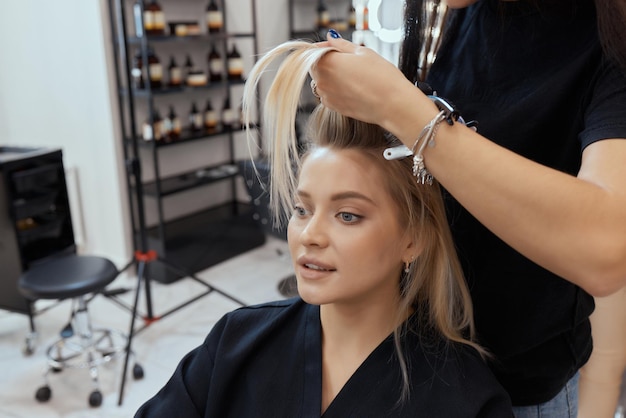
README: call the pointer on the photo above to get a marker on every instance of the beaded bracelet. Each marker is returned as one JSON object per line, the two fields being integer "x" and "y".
{"x": 425, "y": 137}
{"x": 447, "y": 112}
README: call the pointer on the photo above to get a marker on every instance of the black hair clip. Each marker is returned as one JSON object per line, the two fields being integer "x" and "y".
{"x": 451, "y": 112}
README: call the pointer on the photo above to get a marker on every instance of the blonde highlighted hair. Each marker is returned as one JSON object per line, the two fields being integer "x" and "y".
{"x": 434, "y": 287}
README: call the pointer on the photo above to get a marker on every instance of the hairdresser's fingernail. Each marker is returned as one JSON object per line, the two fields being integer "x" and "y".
{"x": 334, "y": 34}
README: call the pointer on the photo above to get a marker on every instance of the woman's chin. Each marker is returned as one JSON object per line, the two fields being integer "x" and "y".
{"x": 312, "y": 296}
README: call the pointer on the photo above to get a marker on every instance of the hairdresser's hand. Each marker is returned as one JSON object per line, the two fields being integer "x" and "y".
{"x": 361, "y": 84}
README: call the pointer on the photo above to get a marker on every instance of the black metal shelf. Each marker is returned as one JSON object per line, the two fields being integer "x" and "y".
{"x": 191, "y": 180}
{"x": 135, "y": 40}
{"x": 188, "y": 136}
{"x": 242, "y": 35}
{"x": 185, "y": 137}
{"x": 137, "y": 104}
{"x": 148, "y": 93}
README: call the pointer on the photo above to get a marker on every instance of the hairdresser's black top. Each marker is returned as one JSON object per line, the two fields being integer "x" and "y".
{"x": 265, "y": 361}
{"x": 538, "y": 84}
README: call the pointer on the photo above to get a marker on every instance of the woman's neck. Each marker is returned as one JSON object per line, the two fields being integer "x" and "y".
{"x": 357, "y": 326}
{"x": 349, "y": 335}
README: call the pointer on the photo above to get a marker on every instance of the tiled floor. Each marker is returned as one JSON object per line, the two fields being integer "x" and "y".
{"x": 251, "y": 277}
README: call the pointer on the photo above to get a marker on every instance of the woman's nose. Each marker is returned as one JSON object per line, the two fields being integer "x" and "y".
{"x": 314, "y": 231}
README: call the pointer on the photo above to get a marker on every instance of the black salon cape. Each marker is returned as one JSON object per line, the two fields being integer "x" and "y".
{"x": 265, "y": 361}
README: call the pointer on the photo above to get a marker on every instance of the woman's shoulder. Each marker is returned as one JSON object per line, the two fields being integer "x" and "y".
{"x": 267, "y": 310}
{"x": 262, "y": 318}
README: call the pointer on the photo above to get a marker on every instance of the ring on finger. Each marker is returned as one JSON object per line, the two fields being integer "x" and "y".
{"x": 314, "y": 89}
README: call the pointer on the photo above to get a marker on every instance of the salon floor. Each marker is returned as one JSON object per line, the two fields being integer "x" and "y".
{"x": 251, "y": 277}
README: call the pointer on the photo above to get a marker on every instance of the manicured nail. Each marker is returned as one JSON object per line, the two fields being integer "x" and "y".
{"x": 334, "y": 34}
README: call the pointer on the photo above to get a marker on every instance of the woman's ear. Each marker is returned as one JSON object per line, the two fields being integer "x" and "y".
{"x": 412, "y": 250}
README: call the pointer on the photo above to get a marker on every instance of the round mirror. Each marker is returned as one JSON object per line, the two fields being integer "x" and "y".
{"x": 386, "y": 19}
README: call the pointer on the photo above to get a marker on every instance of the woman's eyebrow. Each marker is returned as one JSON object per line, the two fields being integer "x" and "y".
{"x": 340, "y": 196}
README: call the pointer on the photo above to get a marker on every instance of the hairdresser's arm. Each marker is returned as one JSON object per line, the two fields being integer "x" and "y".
{"x": 572, "y": 226}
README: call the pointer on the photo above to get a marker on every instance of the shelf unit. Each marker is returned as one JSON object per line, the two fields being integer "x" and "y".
{"x": 35, "y": 219}
{"x": 377, "y": 31}
{"x": 303, "y": 19}
{"x": 303, "y": 15}
{"x": 166, "y": 232}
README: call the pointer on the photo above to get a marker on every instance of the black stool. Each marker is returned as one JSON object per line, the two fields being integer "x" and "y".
{"x": 80, "y": 346}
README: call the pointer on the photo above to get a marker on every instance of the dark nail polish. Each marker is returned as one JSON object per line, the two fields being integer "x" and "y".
{"x": 334, "y": 34}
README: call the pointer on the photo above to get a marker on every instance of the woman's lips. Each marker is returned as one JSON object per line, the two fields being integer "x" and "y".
{"x": 313, "y": 269}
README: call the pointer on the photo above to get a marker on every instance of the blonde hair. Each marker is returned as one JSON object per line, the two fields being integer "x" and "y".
{"x": 434, "y": 285}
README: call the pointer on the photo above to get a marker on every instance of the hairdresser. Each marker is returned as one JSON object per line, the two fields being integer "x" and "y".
{"x": 537, "y": 195}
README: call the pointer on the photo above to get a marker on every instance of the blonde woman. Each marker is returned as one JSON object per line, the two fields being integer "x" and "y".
{"x": 383, "y": 325}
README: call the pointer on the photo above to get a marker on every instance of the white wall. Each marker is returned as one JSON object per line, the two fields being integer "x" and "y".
{"x": 57, "y": 89}
{"x": 55, "y": 92}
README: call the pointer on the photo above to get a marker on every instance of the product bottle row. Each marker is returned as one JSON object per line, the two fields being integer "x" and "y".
{"x": 155, "y": 23}
{"x": 217, "y": 69}
{"x": 198, "y": 123}
{"x": 325, "y": 21}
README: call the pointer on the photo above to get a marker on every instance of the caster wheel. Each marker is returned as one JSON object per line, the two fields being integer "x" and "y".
{"x": 29, "y": 346}
{"x": 43, "y": 394}
{"x": 137, "y": 372}
{"x": 67, "y": 332}
{"x": 95, "y": 398}
{"x": 27, "y": 350}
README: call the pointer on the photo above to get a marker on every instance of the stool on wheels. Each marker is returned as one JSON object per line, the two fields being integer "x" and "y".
{"x": 80, "y": 346}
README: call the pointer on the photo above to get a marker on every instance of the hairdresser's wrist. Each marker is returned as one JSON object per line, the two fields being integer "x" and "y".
{"x": 407, "y": 113}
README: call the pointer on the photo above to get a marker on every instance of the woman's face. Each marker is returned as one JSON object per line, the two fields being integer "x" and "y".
{"x": 344, "y": 235}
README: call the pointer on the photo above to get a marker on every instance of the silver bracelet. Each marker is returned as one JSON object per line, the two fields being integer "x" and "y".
{"x": 425, "y": 137}
{"x": 448, "y": 113}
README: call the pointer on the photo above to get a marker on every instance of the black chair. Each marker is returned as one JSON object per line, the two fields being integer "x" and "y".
{"x": 257, "y": 186}
{"x": 80, "y": 278}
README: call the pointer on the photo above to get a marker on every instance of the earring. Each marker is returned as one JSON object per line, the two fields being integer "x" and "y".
{"x": 407, "y": 264}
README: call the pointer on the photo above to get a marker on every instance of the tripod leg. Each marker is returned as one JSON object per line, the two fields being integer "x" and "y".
{"x": 148, "y": 290}
{"x": 183, "y": 273}
{"x": 140, "y": 276}
{"x": 145, "y": 257}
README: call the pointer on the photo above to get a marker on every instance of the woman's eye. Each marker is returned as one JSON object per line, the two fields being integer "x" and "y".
{"x": 299, "y": 211}
{"x": 349, "y": 217}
